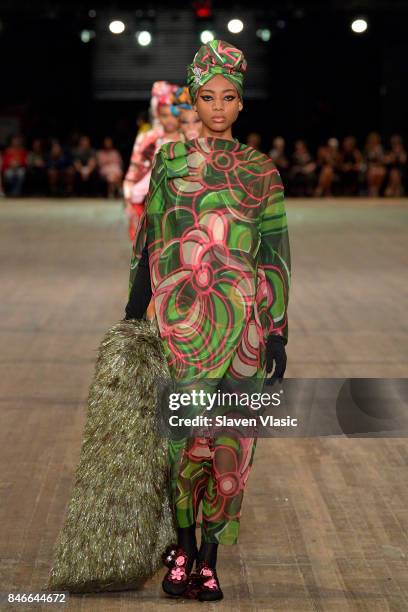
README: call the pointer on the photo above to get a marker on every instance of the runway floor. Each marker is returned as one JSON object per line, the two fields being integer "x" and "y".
{"x": 325, "y": 521}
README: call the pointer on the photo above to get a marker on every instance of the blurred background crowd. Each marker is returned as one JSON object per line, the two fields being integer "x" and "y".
{"x": 81, "y": 167}
{"x": 49, "y": 167}
{"x": 325, "y": 94}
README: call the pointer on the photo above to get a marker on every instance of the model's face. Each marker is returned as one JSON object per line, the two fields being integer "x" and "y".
{"x": 168, "y": 121}
{"x": 190, "y": 123}
{"x": 218, "y": 104}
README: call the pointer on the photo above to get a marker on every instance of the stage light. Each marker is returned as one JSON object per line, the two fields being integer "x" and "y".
{"x": 202, "y": 9}
{"x": 92, "y": 13}
{"x": 281, "y": 24}
{"x": 359, "y": 26}
{"x": 264, "y": 34}
{"x": 87, "y": 35}
{"x": 117, "y": 27}
{"x": 206, "y": 36}
{"x": 144, "y": 38}
{"x": 235, "y": 26}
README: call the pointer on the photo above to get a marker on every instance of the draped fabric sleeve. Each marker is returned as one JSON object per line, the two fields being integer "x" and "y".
{"x": 154, "y": 203}
{"x": 274, "y": 268}
{"x": 140, "y": 166}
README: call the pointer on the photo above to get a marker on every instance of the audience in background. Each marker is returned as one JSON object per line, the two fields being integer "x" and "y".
{"x": 85, "y": 167}
{"x": 396, "y": 163}
{"x": 254, "y": 140}
{"x": 351, "y": 165}
{"x": 2, "y": 194}
{"x": 110, "y": 167}
{"x": 279, "y": 157}
{"x": 374, "y": 160}
{"x": 36, "y": 180}
{"x": 60, "y": 170}
{"x": 327, "y": 168}
{"x": 302, "y": 173}
{"x": 77, "y": 169}
{"x": 14, "y": 167}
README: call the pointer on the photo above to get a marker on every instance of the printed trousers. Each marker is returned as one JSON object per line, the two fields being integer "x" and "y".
{"x": 213, "y": 470}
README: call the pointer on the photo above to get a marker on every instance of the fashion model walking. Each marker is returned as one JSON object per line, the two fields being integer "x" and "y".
{"x": 165, "y": 128}
{"x": 213, "y": 250}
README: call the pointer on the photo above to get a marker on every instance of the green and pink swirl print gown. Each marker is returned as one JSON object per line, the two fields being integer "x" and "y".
{"x": 220, "y": 272}
{"x": 219, "y": 256}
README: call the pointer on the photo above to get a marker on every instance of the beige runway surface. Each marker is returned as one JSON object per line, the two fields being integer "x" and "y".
{"x": 325, "y": 521}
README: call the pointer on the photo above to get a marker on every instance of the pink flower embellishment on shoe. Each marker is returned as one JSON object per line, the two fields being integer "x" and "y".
{"x": 180, "y": 560}
{"x": 206, "y": 571}
{"x": 211, "y": 584}
{"x": 177, "y": 573}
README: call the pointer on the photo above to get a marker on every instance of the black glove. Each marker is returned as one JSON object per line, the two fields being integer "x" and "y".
{"x": 275, "y": 354}
{"x": 141, "y": 293}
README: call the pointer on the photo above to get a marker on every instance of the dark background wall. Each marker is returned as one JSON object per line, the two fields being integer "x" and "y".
{"x": 313, "y": 79}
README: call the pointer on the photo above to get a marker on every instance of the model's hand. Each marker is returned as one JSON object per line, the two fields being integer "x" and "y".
{"x": 275, "y": 355}
{"x": 141, "y": 293}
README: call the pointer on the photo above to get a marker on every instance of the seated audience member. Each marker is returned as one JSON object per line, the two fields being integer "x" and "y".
{"x": 254, "y": 140}
{"x": 84, "y": 157}
{"x": 110, "y": 167}
{"x": 351, "y": 164}
{"x": 374, "y": 159}
{"x": 14, "y": 167}
{"x": 327, "y": 168}
{"x": 302, "y": 172}
{"x": 36, "y": 183}
{"x": 60, "y": 171}
{"x": 278, "y": 156}
{"x": 396, "y": 162}
{"x": 2, "y": 194}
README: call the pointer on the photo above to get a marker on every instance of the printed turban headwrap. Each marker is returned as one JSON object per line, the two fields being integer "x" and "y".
{"x": 181, "y": 100}
{"x": 216, "y": 57}
{"x": 162, "y": 93}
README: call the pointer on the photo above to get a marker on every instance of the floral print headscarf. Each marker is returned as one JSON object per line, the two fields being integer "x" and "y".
{"x": 162, "y": 93}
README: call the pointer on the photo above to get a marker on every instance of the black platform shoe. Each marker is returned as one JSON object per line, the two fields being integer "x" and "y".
{"x": 208, "y": 584}
{"x": 177, "y": 578}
